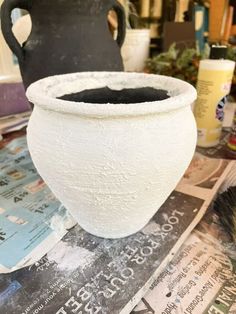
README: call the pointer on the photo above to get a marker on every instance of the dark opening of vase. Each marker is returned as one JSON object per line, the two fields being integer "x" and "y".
{"x": 125, "y": 96}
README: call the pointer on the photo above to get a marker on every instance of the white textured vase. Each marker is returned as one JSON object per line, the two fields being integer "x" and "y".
{"x": 135, "y": 50}
{"x": 111, "y": 165}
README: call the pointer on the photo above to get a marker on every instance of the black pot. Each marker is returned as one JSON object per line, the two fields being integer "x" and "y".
{"x": 67, "y": 36}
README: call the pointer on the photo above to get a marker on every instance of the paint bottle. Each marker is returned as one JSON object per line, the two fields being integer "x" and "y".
{"x": 214, "y": 83}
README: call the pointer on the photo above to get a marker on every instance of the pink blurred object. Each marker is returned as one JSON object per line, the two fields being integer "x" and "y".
{"x": 12, "y": 98}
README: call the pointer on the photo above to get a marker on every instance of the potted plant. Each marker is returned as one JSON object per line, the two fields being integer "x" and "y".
{"x": 176, "y": 63}
{"x": 135, "y": 49}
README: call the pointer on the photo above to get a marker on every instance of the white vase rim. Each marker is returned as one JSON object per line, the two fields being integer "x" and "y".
{"x": 44, "y": 93}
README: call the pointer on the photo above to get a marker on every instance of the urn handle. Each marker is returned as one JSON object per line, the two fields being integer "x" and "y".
{"x": 118, "y": 8}
{"x": 6, "y": 25}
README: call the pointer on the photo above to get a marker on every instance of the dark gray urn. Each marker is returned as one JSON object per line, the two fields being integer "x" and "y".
{"x": 67, "y": 36}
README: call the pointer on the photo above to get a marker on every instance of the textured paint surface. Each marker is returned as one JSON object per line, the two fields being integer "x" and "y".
{"x": 68, "y": 258}
{"x": 112, "y": 166}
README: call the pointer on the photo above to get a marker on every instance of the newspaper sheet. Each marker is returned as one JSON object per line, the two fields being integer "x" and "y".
{"x": 201, "y": 279}
{"x": 32, "y": 220}
{"x": 14, "y": 122}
